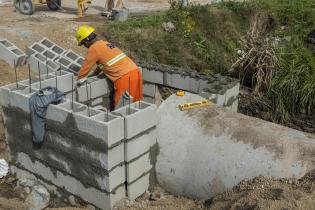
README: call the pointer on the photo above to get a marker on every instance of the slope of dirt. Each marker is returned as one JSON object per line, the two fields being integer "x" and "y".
{"x": 264, "y": 193}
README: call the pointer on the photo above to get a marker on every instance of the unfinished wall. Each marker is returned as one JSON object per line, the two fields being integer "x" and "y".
{"x": 89, "y": 152}
{"x": 101, "y": 157}
{"x": 221, "y": 90}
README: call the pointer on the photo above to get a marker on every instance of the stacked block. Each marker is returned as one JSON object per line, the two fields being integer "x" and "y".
{"x": 11, "y": 54}
{"x": 89, "y": 152}
{"x": 149, "y": 92}
{"x": 46, "y": 56}
{"x": 83, "y": 149}
{"x": 139, "y": 140}
{"x": 221, "y": 90}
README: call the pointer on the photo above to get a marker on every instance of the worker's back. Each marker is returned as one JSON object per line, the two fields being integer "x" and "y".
{"x": 113, "y": 61}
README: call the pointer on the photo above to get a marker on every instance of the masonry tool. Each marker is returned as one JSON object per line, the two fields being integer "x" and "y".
{"x": 195, "y": 104}
{"x": 180, "y": 93}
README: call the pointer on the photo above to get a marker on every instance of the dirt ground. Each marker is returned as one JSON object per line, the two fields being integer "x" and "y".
{"x": 260, "y": 193}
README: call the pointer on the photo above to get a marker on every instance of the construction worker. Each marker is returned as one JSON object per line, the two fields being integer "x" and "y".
{"x": 110, "y": 5}
{"x": 110, "y": 60}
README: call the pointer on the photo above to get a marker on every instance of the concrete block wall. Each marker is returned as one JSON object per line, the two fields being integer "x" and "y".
{"x": 149, "y": 92}
{"x": 11, "y": 53}
{"x": 221, "y": 90}
{"x": 83, "y": 149}
{"x": 140, "y": 120}
{"x": 99, "y": 156}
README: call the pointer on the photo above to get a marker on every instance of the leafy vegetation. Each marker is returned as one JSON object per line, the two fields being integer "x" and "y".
{"x": 205, "y": 38}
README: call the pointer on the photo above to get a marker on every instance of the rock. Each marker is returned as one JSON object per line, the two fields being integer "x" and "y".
{"x": 27, "y": 183}
{"x": 27, "y": 190}
{"x": 90, "y": 207}
{"x": 72, "y": 200}
{"x": 4, "y": 168}
{"x": 168, "y": 27}
{"x": 10, "y": 180}
{"x": 38, "y": 198}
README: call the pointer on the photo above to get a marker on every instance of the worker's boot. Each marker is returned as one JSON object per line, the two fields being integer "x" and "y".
{"x": 106, "y": 13}
{"x": 125, "y": 99}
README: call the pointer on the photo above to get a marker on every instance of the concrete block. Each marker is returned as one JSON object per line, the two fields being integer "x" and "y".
{"x": 138, "y": 187}
{"x": 63, "y": 81}
{"x": 11, "y": 54}
{"x": 183, "y": 82}
{"x": 52, "y": 46}
{"x": 138, "y": 112}
{"x": 74, "y": 67}
{"x": 100, "y": 199}
{"x": 80, "y": 61}
{"x": 95, "y": 88}
{"x": 120, "y": 15}
{"x": 47, "y": 43}
{"x": 231, "y": 94}
{"x": 50, "y": 55}
{"x": 234, "y": 107}
{"x": 35, "y": 48}
{"x": 58, "y": 50}
{"x": 138, "y": 167}
{"x": 149, "y": 89}
{"x": 109, "y": 128}
{"x": 96, "y": 102}
{"x": 149, "y": 99}
{"x": 113, "y": 126}
{"x": 6, "y": 90}
{"x": 219, "y": 100}
{"x": 64, "y": 64}
{"x": 72, "y": 55}
{"x": 140, "y": 144}
{"x": 38, "y": 63}
{"x": 20, "y": 99}
{"x": 204, "y": 83}
{"x": 153, "y": 76}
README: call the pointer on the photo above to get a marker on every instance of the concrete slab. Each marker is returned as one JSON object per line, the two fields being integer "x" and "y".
{"x": 207, "y": 146}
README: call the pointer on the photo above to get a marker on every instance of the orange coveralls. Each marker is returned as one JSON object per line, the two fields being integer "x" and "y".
{"x": 117, "y": 66}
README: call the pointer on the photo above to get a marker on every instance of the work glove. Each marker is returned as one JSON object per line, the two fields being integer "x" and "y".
{"x": 81, "y": 82}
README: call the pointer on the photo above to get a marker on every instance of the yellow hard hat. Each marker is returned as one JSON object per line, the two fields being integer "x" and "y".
{"x": 83, "y": 32}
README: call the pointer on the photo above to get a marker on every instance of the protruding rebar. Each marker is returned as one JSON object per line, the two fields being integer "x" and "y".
{"x": 16, "y": 78}
{"x": 72, "y": 92}
{"x": 29, "y": 78}
{"x": 40, "y": 80}
{"x": 46, "y": 66}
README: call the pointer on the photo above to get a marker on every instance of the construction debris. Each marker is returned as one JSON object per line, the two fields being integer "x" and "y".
{"x": 4, "y": 168}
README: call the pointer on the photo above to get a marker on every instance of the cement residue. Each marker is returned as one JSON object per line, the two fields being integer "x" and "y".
{"x": 154, "y": 151}
{"x": 252, "y": 131}
{"x": 70, "y": 161}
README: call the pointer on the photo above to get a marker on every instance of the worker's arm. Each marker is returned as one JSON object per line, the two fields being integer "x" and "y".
{"x": 90, "y": 60}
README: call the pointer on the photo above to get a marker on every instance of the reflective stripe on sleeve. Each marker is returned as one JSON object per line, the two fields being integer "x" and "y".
{"x": 116, "y": 59}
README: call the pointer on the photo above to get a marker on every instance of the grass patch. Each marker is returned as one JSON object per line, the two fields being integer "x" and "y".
{"x": 205, "y": 38}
